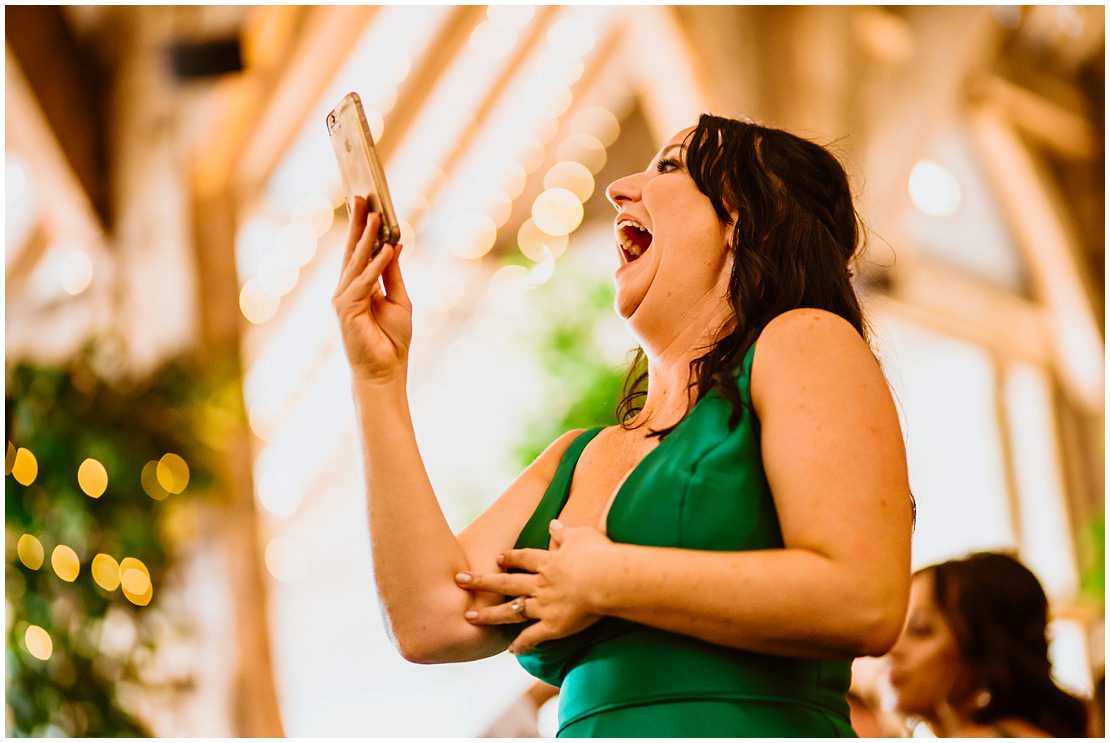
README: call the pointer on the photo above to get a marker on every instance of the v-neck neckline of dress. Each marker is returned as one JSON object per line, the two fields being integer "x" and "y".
{"x": 615, "y": 496}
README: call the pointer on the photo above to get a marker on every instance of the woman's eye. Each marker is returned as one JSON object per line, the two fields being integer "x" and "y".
{"x": 666, "y": 165}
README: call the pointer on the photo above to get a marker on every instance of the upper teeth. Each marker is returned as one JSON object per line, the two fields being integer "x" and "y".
{"x": 631, "y": 248}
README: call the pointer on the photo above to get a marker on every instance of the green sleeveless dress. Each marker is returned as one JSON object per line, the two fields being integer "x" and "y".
{"x": 703, "y": 487}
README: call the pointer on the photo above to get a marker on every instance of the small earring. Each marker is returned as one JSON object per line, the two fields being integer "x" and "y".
{"x": 983, "y": 698}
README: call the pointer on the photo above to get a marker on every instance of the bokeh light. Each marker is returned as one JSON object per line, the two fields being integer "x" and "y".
{"x": 149, "y": 480}
{"x": 557, "y": 211}
{"x": 316, "y": 211}
{"x": 298, "y": 241}
{"x": 533, "y": 241}
{"x": 25, "y": 468}
{"x": 135, "y": 581}
{"x": 38, "y": 642}
{"x": 65, "y": 563}
{"x": 92, "y": 477}
{"x": 30, "y": 551}
{"x": 572, "y": 176}
{"x": 173, "y": 473}
{"x": 105, "y": 571}
{"x": 257, "y": 306}
{"x": 75, "y": 271}
{"x": 472, "y": 235}
{"x": 584, "y": 148}
{"x": 285, "y": 559}
{"x": 514, "y": 17}
{"x": 934, "y": 190}
{"x": 279, "y": 271}
{"x": 598, "y": 122}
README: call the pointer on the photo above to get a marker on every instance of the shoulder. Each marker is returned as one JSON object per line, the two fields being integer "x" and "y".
{"x": 809, "y": 345}
{"x": 548, "y": 461}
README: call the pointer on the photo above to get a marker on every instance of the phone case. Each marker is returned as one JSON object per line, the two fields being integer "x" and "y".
{"x": 359, "y": 166}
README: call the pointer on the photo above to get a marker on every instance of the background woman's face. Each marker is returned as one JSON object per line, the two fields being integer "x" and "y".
{"x": 925, "y": 662}
{"x": 687, "y": 257}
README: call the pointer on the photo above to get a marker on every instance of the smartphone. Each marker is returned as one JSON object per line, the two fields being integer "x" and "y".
{"x": 359, "y": 166}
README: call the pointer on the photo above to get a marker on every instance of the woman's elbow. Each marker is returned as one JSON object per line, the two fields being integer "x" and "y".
{"x": 879, "y": 627}
{"x": 444, "y": 647}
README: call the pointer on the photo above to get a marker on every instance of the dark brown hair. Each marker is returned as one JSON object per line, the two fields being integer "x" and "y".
{"x": 998, "y": 613}
{"x": 793, "y": 238}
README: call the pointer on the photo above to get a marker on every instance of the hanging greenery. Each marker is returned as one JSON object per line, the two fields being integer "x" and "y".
{"x": 104, "y": 475}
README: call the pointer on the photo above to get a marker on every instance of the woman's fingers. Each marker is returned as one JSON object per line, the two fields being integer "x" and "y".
{"x": 528, "y": 559}
{"x": 507, "y": 584}
{"x": 357, "y": 211}
{"x": 365, "y": 285}
{"x": 530, "y": 637}
{"x": 393, "y": 281}
{"x": 504, "y": 613}
{"x": 360, "y": 256}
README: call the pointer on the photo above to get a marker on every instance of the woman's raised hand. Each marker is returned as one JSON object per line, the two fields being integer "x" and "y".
{"x": 376, "y": 326}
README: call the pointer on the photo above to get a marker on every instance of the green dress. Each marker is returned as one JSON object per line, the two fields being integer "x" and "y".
{"x": 703, "y": 487}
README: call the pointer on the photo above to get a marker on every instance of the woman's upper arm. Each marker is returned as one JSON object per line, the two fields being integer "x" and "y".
{"x": 496, "y": 529}
{"x": 833, "y": 449}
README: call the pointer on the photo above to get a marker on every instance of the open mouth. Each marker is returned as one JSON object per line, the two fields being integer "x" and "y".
{"x": 633, "y": 239}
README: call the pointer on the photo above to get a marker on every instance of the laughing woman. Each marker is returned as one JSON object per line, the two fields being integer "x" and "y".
{"x": 710, "y": 565}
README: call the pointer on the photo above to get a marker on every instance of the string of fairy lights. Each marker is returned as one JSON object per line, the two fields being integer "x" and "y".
{"x": 168, "y": 475}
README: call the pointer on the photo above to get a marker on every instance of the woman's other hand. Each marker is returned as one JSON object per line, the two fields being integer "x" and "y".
{"x": 376, "y": 326}
{"x": 558, "y": 587}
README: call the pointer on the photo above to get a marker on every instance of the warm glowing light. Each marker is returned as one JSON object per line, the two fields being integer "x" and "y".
{"x": 535, "y": 243}
{"x": 75, "y": 271}
{"x": 934, "y": 190}
{"x": 316, "y": 211}
{"x": 542, "y": 272}
{"x": 298, "y": 239}
{"x": 173, "y": 473}
{"x": 38, "y": 642}
{"x": 30, "y": 551}
{"x": 598, "y": 122}
{"x": 135, "y": 581}
{"x": 285, "y": 559}
{"x": 279, "y": 271}
{"x": 532, "y": 155}
{"x": 573, "y": 35}
{"x": 376, "y": 122}
{"x": 585, "y": 148}
{"x": 492, "y": 40}
{"x": 472, "y": 235}
{"x": 254, "y": 239}
{"x": 572, "y": 176}
{"x": 149, "y": 480}
{"x": 16, "y": 181}
{"x": 511, "y": 176}
{"x": 9, "y": 460}
{"x": 65, "y": 563}
{"x": 507, "y": 287}
{"x": 515, "y": 17}
{"x": 25, "y": 468}
{"x": 133, "y": 576}
{"x": 500, "y": 209}
{"x": 257, "y": 306}
{"x": 105, "y": 571}
{"x": 92, "y": 477}
{"x": 557, "y": 211}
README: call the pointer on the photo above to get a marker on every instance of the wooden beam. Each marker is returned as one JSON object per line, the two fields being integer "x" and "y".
{"x": 71, "y": 90}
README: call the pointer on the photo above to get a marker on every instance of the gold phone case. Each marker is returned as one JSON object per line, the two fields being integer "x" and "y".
{"x": 359, "y": 166}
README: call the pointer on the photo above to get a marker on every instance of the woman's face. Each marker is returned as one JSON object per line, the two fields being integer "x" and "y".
{"x": 925, "y": 665}
{"x": 670, "y": 243}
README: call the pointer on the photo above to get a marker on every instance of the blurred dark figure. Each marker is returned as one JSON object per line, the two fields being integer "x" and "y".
{"x": 972, "y": 660}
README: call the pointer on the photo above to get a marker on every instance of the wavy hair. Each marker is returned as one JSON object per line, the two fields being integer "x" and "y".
{"x": 998, "y": 613}
{"x": 795, "y": 234}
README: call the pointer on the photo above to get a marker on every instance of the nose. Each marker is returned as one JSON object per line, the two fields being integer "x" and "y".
{"x": 623, "y": 189}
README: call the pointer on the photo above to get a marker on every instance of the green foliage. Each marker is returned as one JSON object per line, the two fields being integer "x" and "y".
{"x": 1092, "y": 550}
{"x": 64, "y": 415}
{"x": 583, "y": 387}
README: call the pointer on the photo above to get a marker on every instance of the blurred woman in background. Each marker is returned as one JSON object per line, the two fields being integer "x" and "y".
{"x": 972, "y": 660}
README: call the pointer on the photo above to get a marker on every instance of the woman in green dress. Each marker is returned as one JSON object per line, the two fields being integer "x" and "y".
{"x": 711, "y": 565}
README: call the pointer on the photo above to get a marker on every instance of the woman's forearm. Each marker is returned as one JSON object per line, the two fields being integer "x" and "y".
{"x": 792, "y": 602}
{"x": 415, "y": 553}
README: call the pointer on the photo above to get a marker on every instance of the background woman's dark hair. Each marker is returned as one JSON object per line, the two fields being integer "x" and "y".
{"x": 795, "y": 234}
{"x": 998, "y": 613}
